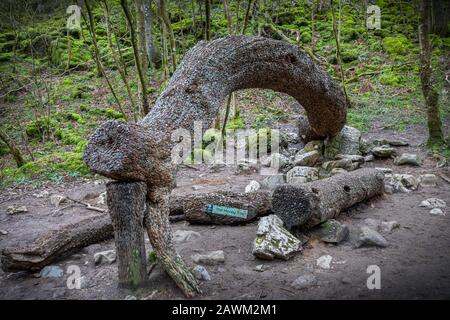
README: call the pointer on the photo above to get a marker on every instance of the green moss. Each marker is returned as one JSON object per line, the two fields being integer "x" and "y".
{"x": 152, "y": 258}
{"x": 236, "y": 123}
{"x": 390, "y": 79}
{"x": 36, "y": 128}
{"x": 397, "y": 45}
{"x": 106, "y": 112}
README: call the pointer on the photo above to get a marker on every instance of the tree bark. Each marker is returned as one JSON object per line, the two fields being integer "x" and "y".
{"x": 159, "y": 232}
{"x": 152, "y": 51}
{"x": 57, "y": 244}
{"x": 316, "y": 202}
{"x": 165, "y": 18}
{"x": 126, "y": 203}
{"x": 207, "y": 20}
{"x": 431, "y": 95}
{"x": 15, "y": 152}
{"x": 195, "y": 207}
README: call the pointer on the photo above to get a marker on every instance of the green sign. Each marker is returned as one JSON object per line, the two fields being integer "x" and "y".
{"x": 227, "y": 211}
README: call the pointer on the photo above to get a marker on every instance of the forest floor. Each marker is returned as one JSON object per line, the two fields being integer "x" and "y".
{"x": 413, "y": 266}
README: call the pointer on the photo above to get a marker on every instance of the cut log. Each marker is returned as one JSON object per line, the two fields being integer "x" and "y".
{"x": 315, "y": 202}
{"x": 57, "y": 244}
{"x": 126, "y": 204}
{"x": 226, "y": 207}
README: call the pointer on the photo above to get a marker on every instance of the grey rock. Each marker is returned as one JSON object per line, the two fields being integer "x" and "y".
{"x": 130, "y": 297}
{"x": 305, "y": 281}
{"x": 298, "y": 175}
{"x": 290, "y": 137}
{"x": 352, "y": 157}
{"x": 384, "y": 170}
{"x": 428, "y": 180}
{"x": 210, "y": 258}
{"x": 432, "y": 203}
{"x": 369, "y": 158}
{"x": 105, "y": 257}
{"x": 314, "y": 145}
{"x": 180, "y": 236}
{"x": 11, "y": 210}
{"x": 408, "y": 159}
{"x": 252, "y": 186}
{"x": 346, "y": 164}
{"x": 56, "y": 199}
{"x": 273, "y": 240}
{"x": 437, "y": 212}
{"x": 384, "y": 151}
{"x": 337, "y": 171}
{"x": 42, "y": 194}
{"x": 401, "y": 182}
{"x": 389, "y": 226}
{"x": 346, "y": 142}
{"x": 308, "y": 159}
{"x": 392, "y": 142}
{"x": 52, "y": 272}
{"x": 369, "y": 237}
{"x": 101, "y": 198}
{"x": 3, "y": 232}
{"x": 259, "y": 268}
{"x": 272, "y": 181}
{"x": 324, "y": 262}
{"x": 276, "y": 160}
{"x": 333, "y": 231}
{"x": 201, "y": 273}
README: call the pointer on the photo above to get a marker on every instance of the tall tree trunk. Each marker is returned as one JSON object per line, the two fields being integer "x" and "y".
{"x": 207, "y": 20}
{"x": 440, "y": 16}
{"x": 137, "y": 58}
{"x": 338, "y": 51}
{"x": 165, "y": 17}
{"x": 15, "y": 152}
{"x": 117, "y": 62}
{"x": 429, "y": 91}
{"x": 246, "y": 17}
{"x": 91, "y": 29}
{"x": 152, "y": 51}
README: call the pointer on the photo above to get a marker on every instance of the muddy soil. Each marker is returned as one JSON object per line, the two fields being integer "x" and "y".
{"x": 415, "y": 265}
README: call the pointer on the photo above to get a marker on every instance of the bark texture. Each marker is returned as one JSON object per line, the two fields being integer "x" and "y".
{"x": 316, "y": 202}
{"x": 57, "y": 244}
{"x": 207, "y": 75}
{"x": 126, "y": 203}
{"x": 257, "y": 204}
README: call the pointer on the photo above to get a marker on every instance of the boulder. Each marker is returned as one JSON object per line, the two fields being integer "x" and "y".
{"x": 276, "y": 160}
{"x": 304, "y": 282}
{"x": 105, "y": 257}
{"x": 185, "y": 235}
{"x": 300, "y": 174}
{"x": 56, "y": 199}
{"x": 384, "y": 151}
{"x": 52, "y": 272}
{"x": 369, "y": 237}
{"x": 432, "y": 203}
{"x": 346, "y": 142}
{"x": 391, "y": 142}
{"x": 200, "y": 273}
{"x": 308, "y": 159}
{"x": 437, "y": 212}
{"x": 346, "y": 164}
{"x": 428, "y": 180}
{"x": 352, "y": 157}
{"x": 324, "y": 262}
{"x": 272, "y": 181}
{"x": 333, "y": 231}
{"x": 252, "y": 186}
{"x": 408, "y": 159}
{"x": 274, "y": 241}
{"x": 11, "y": 210}
{"x": 335, "y": 171}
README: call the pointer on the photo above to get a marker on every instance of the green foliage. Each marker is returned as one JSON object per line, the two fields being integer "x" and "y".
{"x": 37, "y": 128}
{"x": 236, "y": 123}
{"x": 396, "y": 46}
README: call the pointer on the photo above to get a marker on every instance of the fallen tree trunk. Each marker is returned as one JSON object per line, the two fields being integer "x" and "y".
{"x": 57, "y": 244}
{"x": 209, "y": 72}
{"x": 315, "y": 202}
{"x": 226, "y": 207}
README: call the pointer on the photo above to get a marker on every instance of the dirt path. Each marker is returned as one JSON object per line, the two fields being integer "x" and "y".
{"x": 415, "y": 265}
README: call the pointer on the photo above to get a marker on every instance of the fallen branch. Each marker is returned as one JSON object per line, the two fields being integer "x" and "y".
{"x": 87, "y": 205}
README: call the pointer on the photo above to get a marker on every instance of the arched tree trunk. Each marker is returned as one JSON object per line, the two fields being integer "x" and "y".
{"x": 207, "y": 75}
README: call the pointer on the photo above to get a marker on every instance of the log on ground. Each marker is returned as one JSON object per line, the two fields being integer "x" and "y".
{"x": 57, "y": 244}
{"x": 226, "y": 207}
{"x": 316, "y": 202}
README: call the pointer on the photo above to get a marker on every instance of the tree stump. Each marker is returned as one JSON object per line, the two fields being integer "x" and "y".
{"x": 316, "y": 202}
{"x": 126, "y": 203}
